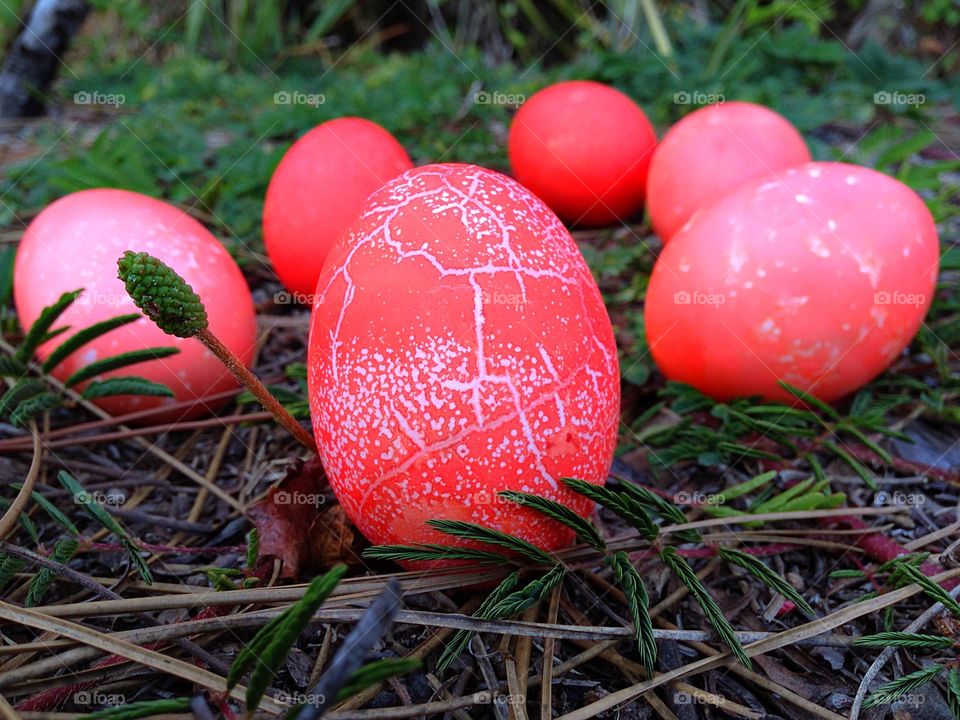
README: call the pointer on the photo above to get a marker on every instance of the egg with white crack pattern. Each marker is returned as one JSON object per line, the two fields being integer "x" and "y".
{"x": 818, "y": 276}
{"x": 458, "y": 347}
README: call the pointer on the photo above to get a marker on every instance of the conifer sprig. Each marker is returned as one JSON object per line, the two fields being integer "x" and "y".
{"x": 585, "y": 530}
{"x": 914, "y": 641}
{"x": 638, "y": 603}
{"x": 489, "y": 536}
{"x": 27, "y": 395}
{"x": 169, "y": 301}
{"x": 768, "y": 577}
{"x": 709, "y": 606}
{"x": 896, "y": 689}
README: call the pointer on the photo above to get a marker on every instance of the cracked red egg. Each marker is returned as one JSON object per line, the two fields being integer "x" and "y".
{"x": 459, "y": 346}
{"x": 710, "y": 153}
{"x": 819, "y": 276}
{"x": 318, "y": 189}
{"x": 75, "y": 242}
{"x": 584, "y": 148}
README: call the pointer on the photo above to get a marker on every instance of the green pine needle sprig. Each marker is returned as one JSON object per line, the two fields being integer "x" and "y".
{"x": 375, "y": 672}
{"x": 638, "y": 602}
{"x": 711, "y": 610}
{"x": 895, "y": 689}
{"x": 489, "y": 536}
{"x": 141, "y": 709}
{"x": 431, "y": 552}
{"x": 953, "y": 690}
{"x": 624, "y": 505}
{"x": 458, "y": 643}
{"x": 911, "y": 573}
{"x": 39, "y": 330}
{"x": 266, "y": 653}
{"x": 768, "y": 577}
{"x": 585, "y": 530}
{"x": 96, "y": 510}
{"x": 41, "y": 583}
{"x": 913, "y": 641}
{"x": 662, "y": 507}
{"x": 28, "y": 396}
{"x": 527, "y": 596}
{"x": 504, "y": 601}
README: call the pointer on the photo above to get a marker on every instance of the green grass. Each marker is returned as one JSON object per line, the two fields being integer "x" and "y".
{"x": 200, "y": 128}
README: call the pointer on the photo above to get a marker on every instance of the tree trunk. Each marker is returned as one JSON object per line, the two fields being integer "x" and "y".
{"x": 35, "y": 56}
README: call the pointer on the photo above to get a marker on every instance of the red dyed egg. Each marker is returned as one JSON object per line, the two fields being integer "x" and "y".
{"x": 318, "y": 189}
{"x": 818, "y": 276}
{"x": 584, "y": 148}
{"x": 459, "y": 346}
{"x": 713, "y": 151}
{"x": 75, "y": 243}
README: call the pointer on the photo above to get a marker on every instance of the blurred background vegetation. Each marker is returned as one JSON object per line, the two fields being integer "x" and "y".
{"x": 196, "y": 116}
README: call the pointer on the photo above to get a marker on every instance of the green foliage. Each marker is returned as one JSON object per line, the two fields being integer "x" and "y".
{"x": 749, "y": 486}
{"x": 9, "y": 567}
{"x": 630, "y": 503}
{"x": 458, "y": 643}
{"x": 28, "y": 396}
{"x": 895, "y": 689}
{"x": 125, "y": 386}
{"x": 266, "y": 653}
{"x": 429, "y": 552}
{"x": 41, "y": 326}
{"x": 638, "y": 603}
{"x": 585, "y": 530}
{"x": 253, "y": 548}
{"x": 622, "y": 503}
{"x": 82, "y": 337}
{"x": 22, "y": 390}
{"x": 661, "y": 507}
{"x": 529, "y": 595}
{"x": 52, "y": 510}
{"x": 375, "y": 672}
{"x": 118, "y": 361}
{"x": 709, "y": 606}
{"x": 161, "y": 294}
{"x": 768, "y": 577}
{"x": 914, "y": 641}
{"x": 953, "y": 690}
{"x": 41, "y": 583}
{"x": 141, "y": 709}
{"x": 97, "y": 512}
{"x": 489, "y": 536}
{"x": 905, "y": 572}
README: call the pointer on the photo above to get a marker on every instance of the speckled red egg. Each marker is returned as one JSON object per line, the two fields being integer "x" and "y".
{"x": 318, "y": 189}
{"x": 75, "y": 242}
{"x": 710, "y": 153}
{"x": 459, "y": 346}
{"x": 818, "y": 276}
{"x": 584, "y": 148}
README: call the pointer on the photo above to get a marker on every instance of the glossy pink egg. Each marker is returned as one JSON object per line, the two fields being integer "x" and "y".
{"x": 819, "y": 276}
{"x": 318, "y": 189}
{"x": 710, "y": 153}
{"x": 75, "y": 242}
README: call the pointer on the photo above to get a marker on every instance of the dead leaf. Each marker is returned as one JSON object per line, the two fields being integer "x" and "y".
{"x": 301, "y": 523}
